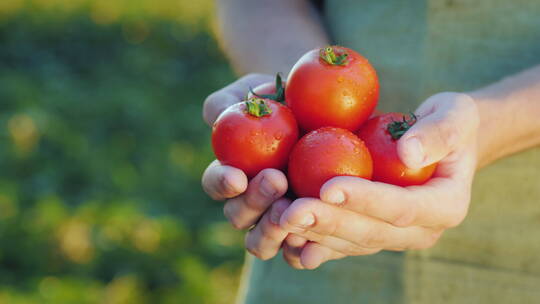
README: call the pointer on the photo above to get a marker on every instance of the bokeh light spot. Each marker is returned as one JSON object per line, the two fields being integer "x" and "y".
{"x": 8, "y": 206}
{"x": 75, "y": 241}
{"x": 136, "y": 32}
{"x": 24, "y": 133}
{"x": 146, "y": 236}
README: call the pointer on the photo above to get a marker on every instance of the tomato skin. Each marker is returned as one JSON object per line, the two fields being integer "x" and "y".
{"x": 387, "y": 167}
{"x": 254, "y": 143}
{"x": 325, "y": 153}
{"x": 266, "y": 88}
{"x": 321, "y": 94}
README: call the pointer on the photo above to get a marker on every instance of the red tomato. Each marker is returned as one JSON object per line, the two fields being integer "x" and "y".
{"x": 323, "y": 154}
{"x": 333, "y": 86}
{"x": 270, "y": 90}
{"x": 380, "y": 135}
{"x": 267, "y": 88}
{"x": 254, "y": 135}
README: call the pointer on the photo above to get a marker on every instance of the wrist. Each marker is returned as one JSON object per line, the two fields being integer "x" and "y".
{"x": 490, "y": 129}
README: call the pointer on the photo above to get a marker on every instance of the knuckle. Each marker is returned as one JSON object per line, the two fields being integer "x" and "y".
{"x": 352, "y": 250}
{"x": 233, "y": 218}
{"x": 327, "y": 227}
{"x": 371, "y": 239}
{"x": 256, "y": 204}
{"x": 266, "y": 229}
{"x": 255, "y": 245}
{"x": 447, "y": 132}
{"x": 406, "y": 217}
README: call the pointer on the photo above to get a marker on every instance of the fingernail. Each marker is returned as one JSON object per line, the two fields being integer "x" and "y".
{"x": 307, "y": 221}
{"x": 416, "y": 152}
{"x": 336, "y": 197}
{"x": 266, "y": 188}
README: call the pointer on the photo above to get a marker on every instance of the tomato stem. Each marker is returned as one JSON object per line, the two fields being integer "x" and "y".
{"x": 257, "y": 107}
{"x": 328, "y": 54}
{"x": 398, "y": 128}
{"x": 279, "y": 96}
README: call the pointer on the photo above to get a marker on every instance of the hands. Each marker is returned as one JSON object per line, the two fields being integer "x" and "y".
{"x": 354, "y": 216}
{"x": 359, "y": 217}
{"x": 246, "y": 202}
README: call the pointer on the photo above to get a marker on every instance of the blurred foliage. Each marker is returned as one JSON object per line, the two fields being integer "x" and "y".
{"x": 102, "y": 147}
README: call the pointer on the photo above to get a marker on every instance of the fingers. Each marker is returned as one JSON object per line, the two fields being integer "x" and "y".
{"x": 292, "y": 250}
{"x": 301, "y": 254}
{"x": 218, "y": 101}
{"x": 311, "y": 215}
{"x": 314, "y": 254}
{"x": 244, "y": 210}
{"x": 447, "y": 121}
{"x": 265, "y": 240}
{"x": 401, "y": 207}
{"x": 221, "y": 182}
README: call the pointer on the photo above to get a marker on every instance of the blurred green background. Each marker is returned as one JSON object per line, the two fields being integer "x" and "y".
{"x": 102, "y": 147}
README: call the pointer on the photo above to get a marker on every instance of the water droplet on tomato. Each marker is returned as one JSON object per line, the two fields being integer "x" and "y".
{"x": 278, "y": 135}
{"x": 340, "y": 79}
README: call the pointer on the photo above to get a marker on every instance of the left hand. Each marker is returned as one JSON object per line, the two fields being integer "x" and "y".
{"x": 358, "y": 217}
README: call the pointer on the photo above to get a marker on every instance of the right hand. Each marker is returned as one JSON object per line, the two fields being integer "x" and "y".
{"x": 245, "y": 202}
{"x": 257, "y": 202}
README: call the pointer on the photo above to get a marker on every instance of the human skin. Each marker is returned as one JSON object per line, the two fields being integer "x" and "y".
{"x": 358, "y": 217}
{"x": 261, "y": 49}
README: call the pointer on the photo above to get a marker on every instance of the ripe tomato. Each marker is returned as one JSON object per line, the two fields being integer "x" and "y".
{"x": 380, "y": 135}
{"x": 254, "y": 135}
{"x": 333, "y": 86}
{"x": 270, "y": 90}
{"x": 325, "y": 153}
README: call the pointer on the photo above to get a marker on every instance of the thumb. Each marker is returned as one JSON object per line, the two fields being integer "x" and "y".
{"x": 447, "y": 121}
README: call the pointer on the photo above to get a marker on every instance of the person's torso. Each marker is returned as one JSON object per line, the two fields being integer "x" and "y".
{"x": 419, "y": 48}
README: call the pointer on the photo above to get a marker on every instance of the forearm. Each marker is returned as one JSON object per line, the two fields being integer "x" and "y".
{"x": 268, "y": 36}
{"x": 509, "y": 116}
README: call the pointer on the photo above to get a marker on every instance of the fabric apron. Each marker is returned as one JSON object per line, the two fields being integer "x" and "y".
{"x": 419, "y": 48}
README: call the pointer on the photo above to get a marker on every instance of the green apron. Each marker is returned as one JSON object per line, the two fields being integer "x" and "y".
{"x": 420, "y": 48}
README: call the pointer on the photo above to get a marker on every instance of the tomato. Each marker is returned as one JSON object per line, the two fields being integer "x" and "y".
{"x": 323, "y": 154}
{"x": 380, "y": 135}
{"x": 333, "y": 86}
{"x": 267, "y": 88}
{"x": 270, "y": 90}
{"x": 254, "y": 135}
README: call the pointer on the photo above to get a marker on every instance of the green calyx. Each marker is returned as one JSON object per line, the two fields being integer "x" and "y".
{"x": 257, "y": 107}
{"x": 398, "y": 128}
{"x": 328, "y": 54}
{"x": 279, "y": 96}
